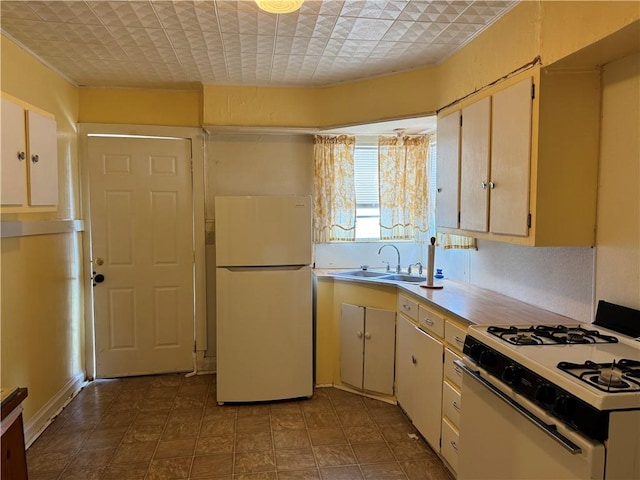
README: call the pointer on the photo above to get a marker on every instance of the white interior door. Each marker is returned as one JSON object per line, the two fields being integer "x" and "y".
{"x": 142, "y": 243}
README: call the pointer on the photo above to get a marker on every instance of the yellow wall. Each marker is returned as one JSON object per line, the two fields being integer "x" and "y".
{"x": 618, "y": 234}
{"x": 176, "y": 108}
{"x": 41, "y": 301}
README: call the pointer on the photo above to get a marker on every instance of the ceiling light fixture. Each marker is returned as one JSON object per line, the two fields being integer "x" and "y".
{"x": 279, "y": 6}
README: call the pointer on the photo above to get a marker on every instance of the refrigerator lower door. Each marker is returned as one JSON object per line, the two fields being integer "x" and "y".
{"x": 264, "y": 333}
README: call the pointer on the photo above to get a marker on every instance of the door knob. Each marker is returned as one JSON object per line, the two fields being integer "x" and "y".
{"x": 99, "y": 278}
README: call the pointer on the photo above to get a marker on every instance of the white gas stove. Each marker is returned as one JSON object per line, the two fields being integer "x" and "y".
{"x": 578, "y": 383}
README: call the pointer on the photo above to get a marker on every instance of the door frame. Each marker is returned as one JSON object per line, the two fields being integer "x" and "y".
{"x": 196, "y": 137}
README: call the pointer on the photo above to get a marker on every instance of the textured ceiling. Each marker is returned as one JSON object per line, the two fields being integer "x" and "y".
{"x": 181, "y": 44}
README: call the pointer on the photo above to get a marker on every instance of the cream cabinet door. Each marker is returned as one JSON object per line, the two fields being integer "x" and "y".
{"x": 352, "y": 344}
{"x": 379, "y": 350}
{"x": 511, "y": 159}
{"x": 474, "y": 169}
{"x": 419, "y": 380}
{"x": 14, "y": 176}
{"x": 43, "y": 159}
{"x": 448, "y": 168}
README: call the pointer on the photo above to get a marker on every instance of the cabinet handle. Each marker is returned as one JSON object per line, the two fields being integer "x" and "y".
{"x": 492, "y": 185}
{"x": 483, "y": 184}
{"x": 454, "y": 445}
{"x": 459, "y": 340}
{"x": 407, "y": 308}
{"x": 359, "y": 334}
{"x": 439, "y": 189}
{"x": 427, "y": 321}
{"x": 458, "y": 370}
{"x": 455, "y": 405}
{"x": 35, "y": 158}
{"x": 414, "y": 360}
{"x": 22, "y": 156}
{"x": 367, "y": 335}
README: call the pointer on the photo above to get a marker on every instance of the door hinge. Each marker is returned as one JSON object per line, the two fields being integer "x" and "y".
{"x": 533, "y": 91}
{"x": 459, "y": 218}
{"x": 443, "y": 356}
{"x": 529, "y": 221}
{"x": 461, "y": 120}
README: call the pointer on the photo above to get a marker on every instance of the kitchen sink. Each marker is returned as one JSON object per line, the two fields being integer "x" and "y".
{"x": 386, "y": 276}
{"x": 404, "y": 278}
{"x": 361, "y": 273}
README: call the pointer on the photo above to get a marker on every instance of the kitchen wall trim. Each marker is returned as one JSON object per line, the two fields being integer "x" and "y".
{"x": 196, "y": 136}
{"x": 39, "y": 227}
{"x": 257, "y": 130}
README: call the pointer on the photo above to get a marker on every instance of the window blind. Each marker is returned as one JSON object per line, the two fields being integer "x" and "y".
{"x": 366, "y": 175}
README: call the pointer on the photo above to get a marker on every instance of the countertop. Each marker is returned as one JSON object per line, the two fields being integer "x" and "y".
{"x": 475, "y": 305}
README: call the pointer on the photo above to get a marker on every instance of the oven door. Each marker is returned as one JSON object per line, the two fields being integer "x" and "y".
{"x": 504, "y": 436}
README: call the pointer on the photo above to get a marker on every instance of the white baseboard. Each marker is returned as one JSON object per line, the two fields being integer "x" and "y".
{"x": 43, "y": 417}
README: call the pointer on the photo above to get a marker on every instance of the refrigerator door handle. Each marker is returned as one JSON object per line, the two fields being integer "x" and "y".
{"x": 272, "y": 268}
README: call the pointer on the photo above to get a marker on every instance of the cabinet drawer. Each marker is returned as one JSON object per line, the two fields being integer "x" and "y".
{"x": 449, "y": 449}
{"x": 451, "y": 404}
{"x": 451, "y": 370}
{"x": 408, "y": 307}
{"x": 454, "y": 336}
{"x": 431, "y": 321}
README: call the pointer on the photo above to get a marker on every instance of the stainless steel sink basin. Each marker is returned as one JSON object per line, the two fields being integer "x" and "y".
{"x": 361, "y": 273}
{"x": 404, "y": 278}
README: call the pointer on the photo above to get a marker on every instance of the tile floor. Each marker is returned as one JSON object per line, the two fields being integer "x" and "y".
{"x": 171, "y": 427}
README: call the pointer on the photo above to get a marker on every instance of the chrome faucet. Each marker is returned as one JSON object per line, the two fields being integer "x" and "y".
{"x": 397, "y": 252}
{"x": 417, "y": 264}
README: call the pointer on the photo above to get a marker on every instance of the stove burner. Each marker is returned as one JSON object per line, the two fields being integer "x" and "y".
{"x": 550, "y": 335}
{"x": 610, "y": 378}
{"x": 621, "y": 376}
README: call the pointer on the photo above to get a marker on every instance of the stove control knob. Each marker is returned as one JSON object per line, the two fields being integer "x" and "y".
{"x": 511, "y": 374}
{"x": 546, "y": 395}
{"x": 476, "y": 352}
{"x": 488, "y": 359}
{"x": 564, "y": 406}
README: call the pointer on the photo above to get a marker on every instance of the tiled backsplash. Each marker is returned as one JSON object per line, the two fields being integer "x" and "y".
{"x": 355, "y": 254}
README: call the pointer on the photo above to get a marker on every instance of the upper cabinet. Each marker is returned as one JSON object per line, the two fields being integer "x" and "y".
{"x": 29, "y": 157}
{"x": 527, "y": 159}
{"x": 448, "y": 167}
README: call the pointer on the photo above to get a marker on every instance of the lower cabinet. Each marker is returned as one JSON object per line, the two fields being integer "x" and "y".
{"x": 367, "y": 348}
{"x": 419, "y": 379}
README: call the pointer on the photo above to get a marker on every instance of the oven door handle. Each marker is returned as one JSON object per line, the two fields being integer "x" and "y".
{"x": 548, "y": 429}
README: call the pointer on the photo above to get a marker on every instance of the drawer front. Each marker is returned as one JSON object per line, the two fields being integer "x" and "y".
{"x": 450, "y": 442}
{"x": 408, "y": 307}
{"x": 431, "y": 321}
{"x": 451, "y": 404}
{"x": 454, "y": 336}
{"x": 451, "y": 371}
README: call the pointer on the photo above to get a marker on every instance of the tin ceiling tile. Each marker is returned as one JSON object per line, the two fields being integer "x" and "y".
{"x": 174, "y": 43}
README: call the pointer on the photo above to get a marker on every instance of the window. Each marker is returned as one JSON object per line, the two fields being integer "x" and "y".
{"x": 365, "y": 167}
{"x": 367, "y": 188}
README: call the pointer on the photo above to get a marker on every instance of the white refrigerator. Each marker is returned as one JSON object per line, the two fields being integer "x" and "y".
{"x": 264, "y": 318}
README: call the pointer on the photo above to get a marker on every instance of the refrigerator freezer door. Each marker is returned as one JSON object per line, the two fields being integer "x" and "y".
{"x": 265, "y": 334}
{"x": 254, "y": 231}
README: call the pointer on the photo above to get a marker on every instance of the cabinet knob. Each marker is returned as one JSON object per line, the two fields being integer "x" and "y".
{"x": 454, "y": 445}
{"x": 35, "y": 158}
{"x": 439, "y": 189}
{"x": 483, "y": 184}
{"x": 492, "y": 185}
{"x": 359, "y": 334}
{"x": 414, "y": 360}
{"x": 22, "y": 156}
{"x": 367, "y": 335}
{"x": 455, "y": 405}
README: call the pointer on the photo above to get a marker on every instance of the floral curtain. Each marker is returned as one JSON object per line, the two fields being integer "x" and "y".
{"x": 334, "y": 194}
{"x": 404, "y": 198}
{"x": 447, "y": 241}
